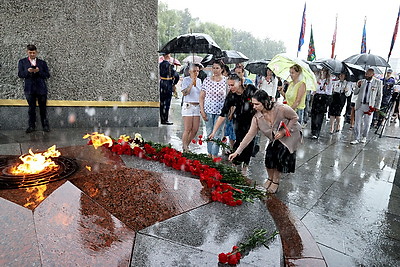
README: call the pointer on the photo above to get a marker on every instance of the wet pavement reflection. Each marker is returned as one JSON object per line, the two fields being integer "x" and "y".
{"x": 341, "y": 196}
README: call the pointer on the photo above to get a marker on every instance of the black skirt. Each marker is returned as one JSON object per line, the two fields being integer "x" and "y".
{"x": 278, "y": 156}
{"x": 336, "y": 107}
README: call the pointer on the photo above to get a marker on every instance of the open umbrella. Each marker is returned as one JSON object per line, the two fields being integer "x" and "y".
{"x": 314, "y": 65}
{"x": 356, "y": 72}
{"x": 192, "y": 59}
{"x": 281, "y": 64}
{"x": 171, "y": 60}
{"x": 192, "y": 43}
{"x": 258, "y": 67}
{"x": 228, "y": 57}
{"x": 334, "y": 66}
{"x": 367, "y": 60}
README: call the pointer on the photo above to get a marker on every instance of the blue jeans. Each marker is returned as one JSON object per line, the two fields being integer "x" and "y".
{"x": 213, "y": 148}
{"x": 300, "y": 113}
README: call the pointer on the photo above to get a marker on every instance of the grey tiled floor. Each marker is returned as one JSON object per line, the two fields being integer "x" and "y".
{"x": 343, "y": 194}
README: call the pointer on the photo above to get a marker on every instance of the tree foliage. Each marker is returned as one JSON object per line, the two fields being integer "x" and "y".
{"x": 172, "y": 23}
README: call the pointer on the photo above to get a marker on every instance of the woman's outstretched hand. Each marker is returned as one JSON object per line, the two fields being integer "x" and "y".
{"x": 211, "y": 136}
{"x": 232, "y": 156}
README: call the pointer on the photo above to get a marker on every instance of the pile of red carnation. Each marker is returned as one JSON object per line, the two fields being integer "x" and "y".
{"x": 232, "y": 257}
{"x": 171, "y": 157}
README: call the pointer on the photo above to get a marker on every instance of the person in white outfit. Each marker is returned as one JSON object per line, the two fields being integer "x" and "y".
{"x": 369, "y": 91}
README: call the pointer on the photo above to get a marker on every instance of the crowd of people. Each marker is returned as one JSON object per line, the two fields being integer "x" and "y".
{"x": 234, "y": 108}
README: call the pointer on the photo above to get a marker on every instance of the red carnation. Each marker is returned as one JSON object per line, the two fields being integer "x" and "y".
{"x": 200, "y": 136}
{"x": 194, "y": 141}
{"x": 216, "y": 160}
{"x": 232, "y": 259}
{"x": 223, "y": 258}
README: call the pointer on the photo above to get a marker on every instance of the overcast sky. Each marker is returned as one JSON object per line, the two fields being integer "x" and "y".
{"x": 281, "y": 20}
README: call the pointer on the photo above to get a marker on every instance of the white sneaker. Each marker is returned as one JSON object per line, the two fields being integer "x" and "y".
{"x": 314, "y": 137}
{"x": 364, "y": 140}
{"x": 354, "y": 142}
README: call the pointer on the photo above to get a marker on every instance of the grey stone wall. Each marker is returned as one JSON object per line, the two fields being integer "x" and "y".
{"x": 96, "y": 50}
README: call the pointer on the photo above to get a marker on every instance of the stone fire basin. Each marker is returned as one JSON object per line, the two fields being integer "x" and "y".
{"x": 113, "y": 215}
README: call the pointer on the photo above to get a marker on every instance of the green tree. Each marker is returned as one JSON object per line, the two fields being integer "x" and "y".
{"x": 172, "y": 23}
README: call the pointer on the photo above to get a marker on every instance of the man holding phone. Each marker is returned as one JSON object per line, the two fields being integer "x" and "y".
{"x": 35, "y": 71}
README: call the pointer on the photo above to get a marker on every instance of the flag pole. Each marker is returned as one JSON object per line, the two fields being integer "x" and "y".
{"x": 334, "y": 38}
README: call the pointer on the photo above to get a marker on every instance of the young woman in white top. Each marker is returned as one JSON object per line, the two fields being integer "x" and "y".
{"x": 269, "y": 83}
{"x": 212, "y": 98}
{"x": 191, "y": 87}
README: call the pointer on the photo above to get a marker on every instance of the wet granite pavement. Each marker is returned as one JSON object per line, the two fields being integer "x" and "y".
{"x": 343, "y": 196}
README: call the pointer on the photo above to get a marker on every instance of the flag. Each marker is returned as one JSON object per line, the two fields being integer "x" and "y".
{"x": 334, "y": 39}
{"x": 311, "y": 48}
{"x": 396, "y": 28}
{"x": 303, "y": 29}
{"x": 364, "y": 39}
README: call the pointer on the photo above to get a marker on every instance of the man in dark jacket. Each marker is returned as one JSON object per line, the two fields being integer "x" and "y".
{"x": 35, "y": 71}
{"x": 167, "y": 74}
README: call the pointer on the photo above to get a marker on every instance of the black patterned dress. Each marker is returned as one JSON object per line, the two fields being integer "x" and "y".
{"x": 241, "y": 119}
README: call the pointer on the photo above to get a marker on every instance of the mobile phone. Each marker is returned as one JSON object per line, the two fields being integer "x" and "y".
{"x": 33, "y": 67}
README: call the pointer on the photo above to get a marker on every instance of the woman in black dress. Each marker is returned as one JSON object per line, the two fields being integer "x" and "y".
{"x": 239, "y": 97}
{"x": 340, "y": 89}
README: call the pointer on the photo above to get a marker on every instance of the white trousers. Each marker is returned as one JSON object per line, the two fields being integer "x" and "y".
{"x": 362, "y": 122}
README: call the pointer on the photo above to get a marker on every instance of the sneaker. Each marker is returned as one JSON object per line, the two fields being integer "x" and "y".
{"x": 354, "y": 142}
{"x": 364, "y": 140}
{"x": 314, "y": 137}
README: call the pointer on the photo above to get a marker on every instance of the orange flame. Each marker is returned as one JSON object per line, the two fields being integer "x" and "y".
{"x": 34, "y": 163}
{"x": 36, "y": 197}
{"x": 99, "y": 139}
{"x": 89, "y": 168}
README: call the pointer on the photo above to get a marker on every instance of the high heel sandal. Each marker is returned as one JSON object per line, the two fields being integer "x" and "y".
{"x": 273, "y": 191}
{"x": 265, "y": 184}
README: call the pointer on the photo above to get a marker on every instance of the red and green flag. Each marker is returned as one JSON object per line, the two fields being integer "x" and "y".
{"x": 311, "y": 47}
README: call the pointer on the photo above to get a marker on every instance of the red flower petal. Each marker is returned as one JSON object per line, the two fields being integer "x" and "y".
{"x": 223, "y": 258}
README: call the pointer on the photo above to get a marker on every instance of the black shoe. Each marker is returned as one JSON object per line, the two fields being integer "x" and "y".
{"x": 255, "y": 150}
{"x": 46, "y": 129}
{"x": 30, "y": 130}
{"x": 167, "y": 123}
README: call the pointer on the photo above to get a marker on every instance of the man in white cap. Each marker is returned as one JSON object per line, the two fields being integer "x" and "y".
{"x": 369, "y": 91}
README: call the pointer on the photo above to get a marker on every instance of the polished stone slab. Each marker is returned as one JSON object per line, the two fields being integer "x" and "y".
{"x": 215, "y": 228}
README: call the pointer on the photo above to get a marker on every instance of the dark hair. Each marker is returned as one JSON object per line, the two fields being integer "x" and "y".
{"x": 192, "y": 65}
{"x": 273, "y": 74}
{"x": 31, "y": 47}
{"x": 233, "y": 76}
{"x": 296, "y": 68}
{"x": 220, "y": 63}
{"x": 262, "y": 97}
{"x": 226, "y": 69}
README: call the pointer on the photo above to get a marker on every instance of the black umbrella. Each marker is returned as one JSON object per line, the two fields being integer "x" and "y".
{"x": 258, "y": 67}
{"x": 314, "y": 65}
{"x": 192, "y": 43}
{"x": 367, "y": 60}
{"x": 335, "y": 66}
{"x": 228, "y": 57}
{"x": 357, "y": 72}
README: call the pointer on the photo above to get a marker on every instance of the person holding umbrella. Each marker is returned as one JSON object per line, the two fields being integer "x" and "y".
{"x": 320, "y": 102}
{"x": 296, "y": 93}
{"x": 191, "y": 87}
{"x": 341, "y": 89}
{"x": 369, "y": 92}
{"x": 279, "y": 123}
